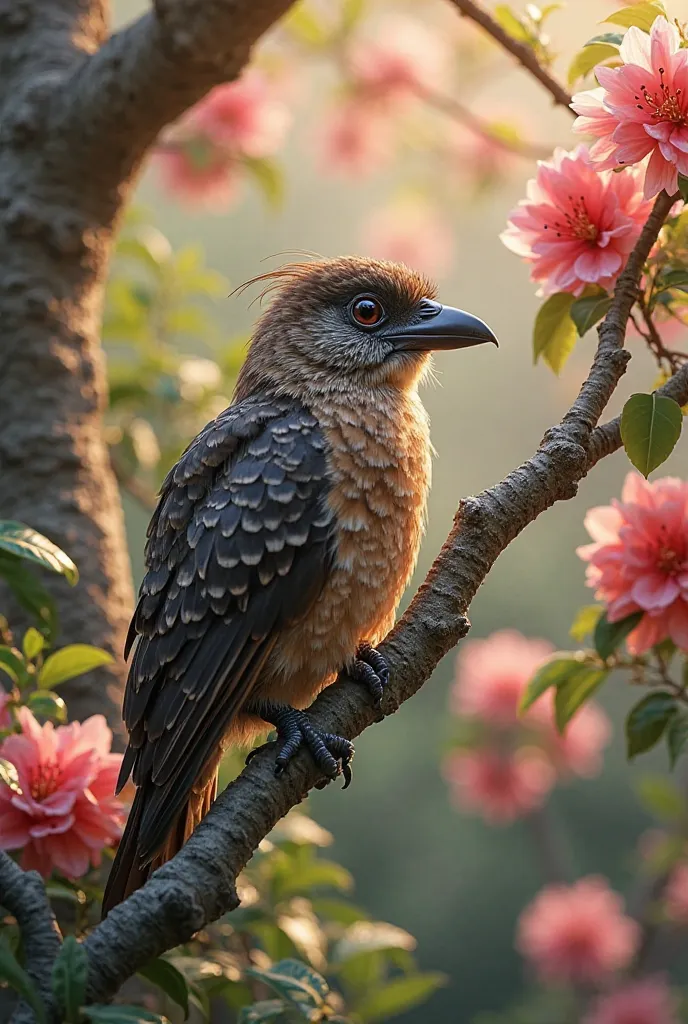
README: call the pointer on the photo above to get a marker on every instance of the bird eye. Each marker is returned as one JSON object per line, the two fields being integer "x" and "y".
{"x": 366, "y": 311}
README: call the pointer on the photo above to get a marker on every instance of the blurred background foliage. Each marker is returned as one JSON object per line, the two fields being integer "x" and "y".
{"x": 175, "y": 339}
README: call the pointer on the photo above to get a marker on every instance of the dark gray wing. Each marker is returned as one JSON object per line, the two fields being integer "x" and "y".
{"x": 238, "y": 548}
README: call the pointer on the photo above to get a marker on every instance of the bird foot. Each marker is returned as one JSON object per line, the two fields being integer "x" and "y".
{"x": 332, "y": 754}
{"x": 371, "y": 670}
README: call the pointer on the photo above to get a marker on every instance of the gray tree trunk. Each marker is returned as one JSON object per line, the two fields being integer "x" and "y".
{"x": 78, "y": 110}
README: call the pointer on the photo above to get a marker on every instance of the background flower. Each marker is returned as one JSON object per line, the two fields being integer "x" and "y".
{"x": 648, "y": 1001}
{"x": 577, "y": 933}
{"x": 577, "y": 225}
{"x": 66, "y": 811}
{"x": 638, "y": 560}
{"x": 501, "y": 786}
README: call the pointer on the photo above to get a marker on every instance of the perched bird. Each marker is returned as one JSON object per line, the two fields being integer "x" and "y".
{"x": 282, "y": 542}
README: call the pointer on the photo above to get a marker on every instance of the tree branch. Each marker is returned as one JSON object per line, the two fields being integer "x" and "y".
{"x": 199, "y": 884}
{"x": 23, "y": 894}
{"x": 147, "y": 74}
{"x": 521, "y": 51}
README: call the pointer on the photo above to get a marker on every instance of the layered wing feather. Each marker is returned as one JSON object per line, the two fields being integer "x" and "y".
{"x": 239, "y": 548}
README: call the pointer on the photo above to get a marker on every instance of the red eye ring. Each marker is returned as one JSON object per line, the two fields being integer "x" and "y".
{"x": 366, "y": 311}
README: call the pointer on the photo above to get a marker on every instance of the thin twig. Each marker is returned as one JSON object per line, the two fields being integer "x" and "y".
{"x": 134, "y": 487}
{"x": 523, "y": 53}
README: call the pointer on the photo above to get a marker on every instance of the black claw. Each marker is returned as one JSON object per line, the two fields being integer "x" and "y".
{"x": 332, "y": 754}
{"x": 370, "y": 669}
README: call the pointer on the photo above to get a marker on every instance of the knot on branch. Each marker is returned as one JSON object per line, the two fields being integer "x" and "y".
{"x": 470, "y": 514}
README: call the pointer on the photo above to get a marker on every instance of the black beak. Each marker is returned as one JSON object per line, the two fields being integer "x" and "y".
{"x": 442, "y": 327}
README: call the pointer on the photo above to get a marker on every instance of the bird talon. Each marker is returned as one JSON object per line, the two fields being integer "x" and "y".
{"x": 331, "y": 753}
{"x": 371, "y": 670}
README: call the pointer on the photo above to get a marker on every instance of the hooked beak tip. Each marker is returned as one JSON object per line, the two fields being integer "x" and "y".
{"x": 443, "y": 328}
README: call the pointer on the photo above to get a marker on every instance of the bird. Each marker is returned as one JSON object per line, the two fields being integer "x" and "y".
{"x": 282, "y": 541}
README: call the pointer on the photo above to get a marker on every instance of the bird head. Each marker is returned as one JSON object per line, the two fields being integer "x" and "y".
{"x": 350, "y": 323}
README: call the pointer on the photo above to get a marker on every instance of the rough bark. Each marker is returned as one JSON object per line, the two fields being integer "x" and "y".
{"x": 80, "y": 108}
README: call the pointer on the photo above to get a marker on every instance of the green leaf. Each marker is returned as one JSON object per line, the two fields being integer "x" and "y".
{"x": 29, "y": 592}
{"x": 575, "y": 691}
{"x": 554, "y": 333}
{"x": 661, "y": 797}
{"x": 165, "y": 975}
{"x": 352, "y": 12}
{"x": 642, "y": 15}
{"x": 647, "y": 721}
{"x": 677, "y": 736}
{"x": 26, "y": 543}
{"x": 553, "y": 672}
{"x": 615, "y": 38}
{"x": 102, "y": 1013}
{"x": 650, "y": 427}
{"x": 9, "y": 776}
{"x": 294, "y": 982}
{"x": 338, "y": 911}
{"x": 149, "y": 247}
{"x": 17, "y": 978}
{"x": 585, "y": 621}
{"x": 683, "y": 187}
{"x": 48, "y": 704}
{"x": 314, "y": 875}
{"x": 399, "y": 995}
{"x": 609, "y": 636}
{"x": 589, "y": 310}
{"x": 300, "y": 829}
{"x": 267, "y": 174}
{"x": 268, "y": 1009}
{"x": 70, "y": 661}
{"x": 33, "y": 643}
{"x": 511, "y": 23}
{"x": 69, "y": 977}
{"x": 12, "y": 663}
{"x": 306, "y": 27}
{"x": 674, "y": 279}
{"x": 589, "y": 57}
{"x": 371, "y": 937}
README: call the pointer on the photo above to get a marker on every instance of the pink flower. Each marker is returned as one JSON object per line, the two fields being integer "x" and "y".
{"x": 401, "y": 59}
{"x": 577, "y": 933}
{"x": 492, "y": 674}
{"x": 577, "y": 226}
{"x": 639, "y": 559}
{"x": 410, "y": 232}
{"x": 641, "y": 108}
{"x": 354, "y": 140}
{"x": 676, "y": 894}
{"x": 499, "y": 786}
{"x": 66, "y": 812}
{"x": 200, "y": 156}
{"x": 648, "y": 1001}
{"x": 579, "y": 750}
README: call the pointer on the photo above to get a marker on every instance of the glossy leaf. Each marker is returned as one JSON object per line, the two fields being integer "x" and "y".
{"x": 399, "y": 995}
{"x": 70, "y": 661}
{"x": 554, "y": 333}
{"x": 315, "y": 875}
{"x": 674, "y": 278}
{"x": 33, "y": 643}
{"x": 12, "y": 663}
{"x": 338, "y": 911}
{"x": 9, "y": 776}
{"x": 677, "y": 736}
{"x": 589, "y": 57}
{"x": 647, "y": 721}
{"x": 69, "y": 977}
{"x": 585, "y": 621}
{"x": 650, "y": 427}
{"x": 553, "y": 672}
{"x": 48, "y": 704}
{"x": 371, "y": 937}
{"x": 660, "y": 796}
{"x": 102, "y": 1013}
{"x": 167, "y": 977}
{"x": 589, "y": 310}
{"x": 16, "y": 977}
{"x": 642, "y": 15}
{"x": 511, "y": 23}
{"x": 573, "y": 693}
{"x": 29, "y": 592}
{"x": 294, "y": 982}
{"x": 22, "y": 541}
{"x": 609, "y": 636}
{"x": 266, "y": 1010}
{"x": 615, "y": 38}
